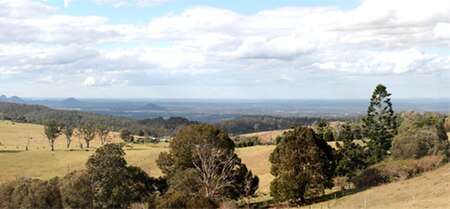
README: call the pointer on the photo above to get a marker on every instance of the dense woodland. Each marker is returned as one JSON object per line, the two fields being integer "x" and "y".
{"x": 249, "y": 124}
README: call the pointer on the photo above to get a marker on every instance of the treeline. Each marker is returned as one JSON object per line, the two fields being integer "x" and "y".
{"x": 249, "y": 124}
{"x": 38, "y": 114}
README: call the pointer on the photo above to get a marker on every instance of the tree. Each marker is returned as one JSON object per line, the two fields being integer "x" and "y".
{"x": 351, "y": 156}
{"x": 87, "y": 132}
{"x": 380, "y": 125}
{"x": 125, "y": 135}
{"x": 115, "y": 184}
{"x": 102, "y": 132}
{"x": 303, "y": 166}
{"x": 52, "y": 130}
{"x": 202, "y": 162}
{"x": 68, "y": 132}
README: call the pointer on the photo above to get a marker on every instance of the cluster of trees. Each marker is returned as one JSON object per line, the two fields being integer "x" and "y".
{"x": 201, "y": 170}
{"x": 40, "y": 114}
{"x": 249, "y": 124}
{"x": 304, "y": 164}
{"x": 107, "y": 182}
{"x": 53, "y": 129}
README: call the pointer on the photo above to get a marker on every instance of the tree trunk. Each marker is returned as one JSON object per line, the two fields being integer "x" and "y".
{"x": 87, "y": 144}
{"x": 53, "y": 146}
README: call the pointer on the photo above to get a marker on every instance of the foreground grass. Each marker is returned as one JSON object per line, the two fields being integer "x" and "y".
{"x": 429, "y": 190}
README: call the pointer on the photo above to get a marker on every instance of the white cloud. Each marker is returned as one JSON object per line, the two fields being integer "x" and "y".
{"x": 90, "y": 81}
{"x": 67, "y": 2}
{"x": 379, "y": 37}
{"x": 121, "y": 3}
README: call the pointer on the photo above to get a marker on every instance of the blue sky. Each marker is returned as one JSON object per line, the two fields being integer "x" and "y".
{"x": 224, "y": 49}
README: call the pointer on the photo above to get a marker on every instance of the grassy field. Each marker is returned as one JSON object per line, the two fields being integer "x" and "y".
{"x": 266, "y": 136}
{"x": 40, "y": 162}
{"x": 257, "y": 159}
{"x": 429, "y": 190}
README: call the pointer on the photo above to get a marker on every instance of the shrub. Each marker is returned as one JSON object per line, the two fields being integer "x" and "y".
{"x": 77, "y": 190}
{"x": 389, "y": 171}
{"x": 201, "y": 202}
{"x": 30, "y": 193}
{"x": 419, "y": 136}
{"x": 173, "y": 200}
{"x": 370, "y": 177}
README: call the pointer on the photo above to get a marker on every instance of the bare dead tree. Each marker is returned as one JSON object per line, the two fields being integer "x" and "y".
{"x": 215, "y": 168}
{"x": 102, "y": 132}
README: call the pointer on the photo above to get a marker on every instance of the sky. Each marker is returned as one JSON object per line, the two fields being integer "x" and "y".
{"x": 224, "y": 49}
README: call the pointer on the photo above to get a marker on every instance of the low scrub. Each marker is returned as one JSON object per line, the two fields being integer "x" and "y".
{"x": 392, "y": 170}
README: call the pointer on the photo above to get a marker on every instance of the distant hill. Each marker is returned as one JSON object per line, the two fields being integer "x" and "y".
{"x": 250, "y": 124}
{"x": 70, "y": 101}
{"x": 151, "y": 106}
{"x": 13, "y": 99}
{"x": 39, "y": 114}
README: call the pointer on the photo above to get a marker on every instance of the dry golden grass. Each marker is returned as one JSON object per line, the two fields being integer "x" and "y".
{"x": 40, "y": 162}
{"x": 429, "y": 190}
{"x": 257, "y": 159}
{"x": 266, "y": 136}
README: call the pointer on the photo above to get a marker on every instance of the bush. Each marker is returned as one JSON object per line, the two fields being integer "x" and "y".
{"x": 77, "y": 190}
{"x": 393, "y": 170}
{"x": 370, "y": 177}
{"x": 173, "y": 200}
{"x": 419, "y": 136}
{"x": 201, "y": 202}
{"x": 30, "y": 193}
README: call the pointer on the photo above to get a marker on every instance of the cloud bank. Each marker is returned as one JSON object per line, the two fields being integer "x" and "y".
{"x": 222, "y": 49}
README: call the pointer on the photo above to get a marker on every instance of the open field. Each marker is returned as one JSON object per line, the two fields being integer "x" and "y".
{"x": 257, "y": 160}
{"x": 40, "y": 162}
{"x": 266, "y": 136}
{"x": 430, "y": 190}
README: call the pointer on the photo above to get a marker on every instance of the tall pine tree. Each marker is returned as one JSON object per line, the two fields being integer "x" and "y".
{"x": 380, "y": 125}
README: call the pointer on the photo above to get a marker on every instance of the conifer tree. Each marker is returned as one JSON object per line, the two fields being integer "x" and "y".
{"x": 380, "y": 125}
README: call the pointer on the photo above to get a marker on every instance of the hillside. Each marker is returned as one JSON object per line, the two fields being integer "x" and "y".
{"x": 38, "y": 114}
{"x": 253, "y": 123}
{"x": 266, "y": 136}
{"x": 429, "y": 190}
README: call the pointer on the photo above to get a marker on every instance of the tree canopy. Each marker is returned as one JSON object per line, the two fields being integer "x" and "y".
{"x": 303, "y": 166}
{"x": 380, "y": 125}
{"x": 202, "y": 162}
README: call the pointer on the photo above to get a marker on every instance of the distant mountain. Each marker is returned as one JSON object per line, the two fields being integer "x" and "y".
{"x": 70, "y": 101}
{"x": 151, "y": 106}
{"x": 13, "y": 99}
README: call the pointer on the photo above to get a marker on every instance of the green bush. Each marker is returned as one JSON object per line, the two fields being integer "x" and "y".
{"x": 173, "y": 200}
{"x": 30, "y": 193}
{"x": 419, "y": 136}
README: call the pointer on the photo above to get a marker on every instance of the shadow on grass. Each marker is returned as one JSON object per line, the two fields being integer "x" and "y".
{"x": 11, "y": 151}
